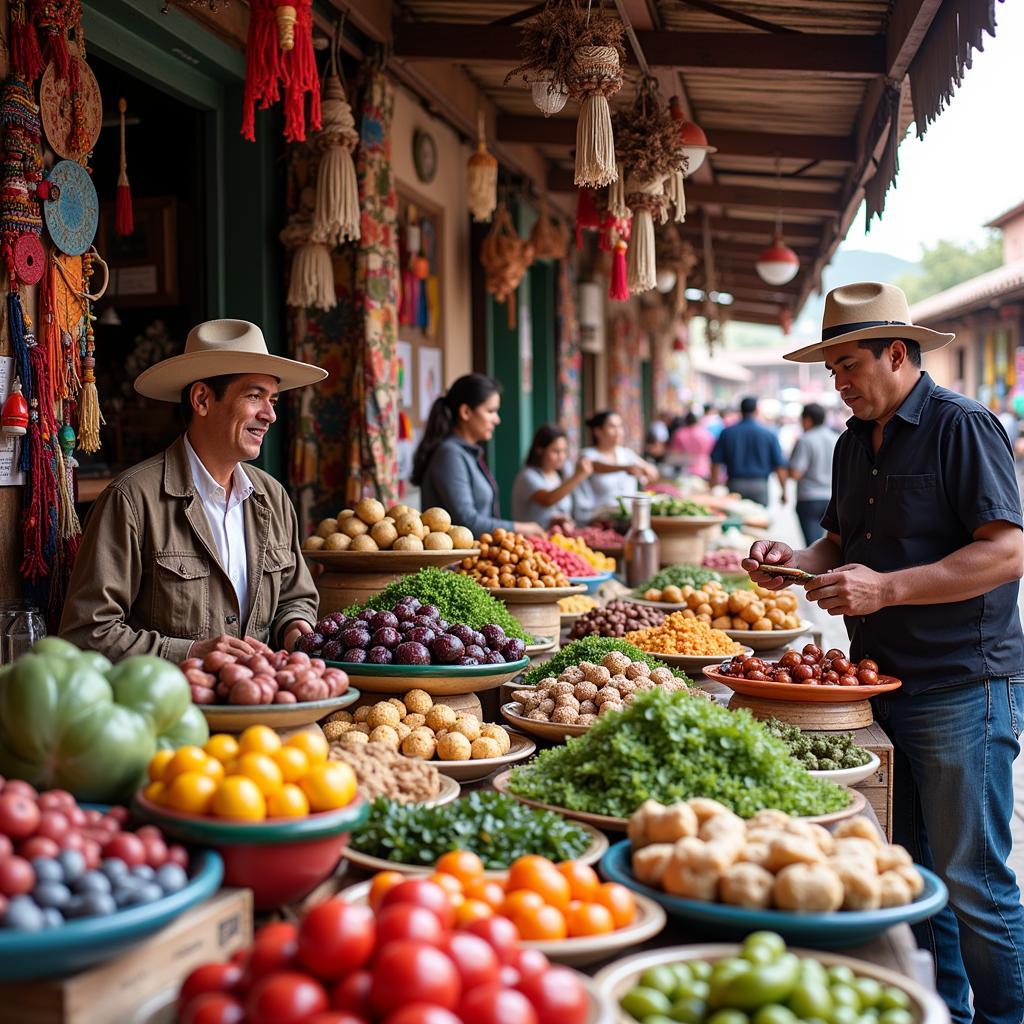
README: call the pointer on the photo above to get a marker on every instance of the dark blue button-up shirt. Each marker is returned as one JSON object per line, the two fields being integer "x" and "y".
{"x": 944, "y": 469}
{"x": 748, "y": 451}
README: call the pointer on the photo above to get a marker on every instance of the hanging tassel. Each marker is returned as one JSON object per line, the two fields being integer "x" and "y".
{"x": 312, "y": 278}
{"x": 677, "y": 195}
{"x": 642, "y": 268}
{"x": 299, "y": 72}
{"x": 54, "y": 18}
{"x": 35, "y": 517}
{"x": 618, "y": 287}
{"x": 587, "y": 217}
{"x": 336, "y": 215}
{"x": 595, "y": 144}
{"x": 263, "y": 67}
{"x": 124, "y": 219}
{"x": 481, "y": 178}
{"x": 26, "y": 57}
{"x": 617, "y": 196}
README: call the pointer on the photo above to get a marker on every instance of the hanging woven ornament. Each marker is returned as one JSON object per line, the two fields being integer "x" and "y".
{"x": 549, "y": 94}
{"x": 263, "y": 64}
{"x": 90, "y": 416}
{"x": 312, "y": 277}
{"x": 549, "y": 238}
{"x": 481, "y": 178}
{"x": 124, "y": 218}
{"x": 299, "y": 73}
{"x": 505, "y": 258}
{"x": 336, "y": 216}
{"x": 650, "y": 151}
{"x": 26, "y": 57}
{"x": 618, "y": 279}
{"x": 54, "y": 19}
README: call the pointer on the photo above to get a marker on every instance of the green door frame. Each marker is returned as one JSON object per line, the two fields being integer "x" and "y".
{"x": 243, "y": 205}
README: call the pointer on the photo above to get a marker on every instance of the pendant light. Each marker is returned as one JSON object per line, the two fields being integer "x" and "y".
{"x": 777, "y": 264}
{"x": 695, "y": 142}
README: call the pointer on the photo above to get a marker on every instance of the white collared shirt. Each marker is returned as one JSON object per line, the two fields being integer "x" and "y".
{"x": 226, "y": 518}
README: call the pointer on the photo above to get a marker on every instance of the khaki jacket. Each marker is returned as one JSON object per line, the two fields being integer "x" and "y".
{"x": 148, "y": 579}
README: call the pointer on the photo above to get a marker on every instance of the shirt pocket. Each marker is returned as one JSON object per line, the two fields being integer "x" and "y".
{"x": 278, "y": 567}
{"x": 908, "y": 503}
{"x": 180, "y": 604}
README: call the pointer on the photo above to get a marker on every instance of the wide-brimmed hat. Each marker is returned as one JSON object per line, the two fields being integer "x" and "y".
{"x": 860, "y": 312}
{"x": 218, "y": 347}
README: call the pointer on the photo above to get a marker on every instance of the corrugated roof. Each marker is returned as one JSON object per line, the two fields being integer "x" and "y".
{"x": 1002, "y": 283}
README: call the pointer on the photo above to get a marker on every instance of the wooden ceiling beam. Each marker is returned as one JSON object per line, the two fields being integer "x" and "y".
{"x": 796, "y": 234}
{"x": 851, "y": 56}
{"x": 908, "y": 25}
{"x": 561, "y": 131}
{"x": 752, "y": 250}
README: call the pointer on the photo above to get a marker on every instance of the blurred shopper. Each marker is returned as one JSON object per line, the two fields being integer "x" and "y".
{"x": 618, "y": 470}
{"x": 540, "y": 492}
{"x": 748, "y": 453}
{"x": 656, "y": 441}
{"x": 810, "y": 466}
{"x": 690, "y": 448}
{"x": 711, "y": 421}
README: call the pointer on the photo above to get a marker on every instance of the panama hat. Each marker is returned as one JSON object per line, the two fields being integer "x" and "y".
{"x": 218, "y": 347}
{"x": 860, "y": 312}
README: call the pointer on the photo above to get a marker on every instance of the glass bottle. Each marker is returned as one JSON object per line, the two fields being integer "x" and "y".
{"x": 21, "y": 625}
{"x": 642, "y": 552}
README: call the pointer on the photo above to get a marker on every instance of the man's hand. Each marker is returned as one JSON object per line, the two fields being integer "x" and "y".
{"x": 232, "y": 645}
{"x": 850, "y": 590}
{"x": 774, "y": 552}
{"x": 293, "y": 631}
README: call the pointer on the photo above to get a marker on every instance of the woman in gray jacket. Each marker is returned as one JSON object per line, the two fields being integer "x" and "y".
{"x": 449, "y": 465}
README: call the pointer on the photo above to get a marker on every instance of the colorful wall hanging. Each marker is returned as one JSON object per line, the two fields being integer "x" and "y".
{"x": 72, "y": 114}
{"x": 72, "y": 208}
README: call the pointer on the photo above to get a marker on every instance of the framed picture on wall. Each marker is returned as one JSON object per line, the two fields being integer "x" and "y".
{"x": 144, "y": 264}
{"x": 431, "y": 379}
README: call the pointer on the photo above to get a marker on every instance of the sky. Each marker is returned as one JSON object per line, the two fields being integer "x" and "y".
{"x": 967, "y": 168}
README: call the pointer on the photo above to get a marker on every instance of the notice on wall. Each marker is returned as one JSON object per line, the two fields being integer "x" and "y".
{"x": 10, "y": 447}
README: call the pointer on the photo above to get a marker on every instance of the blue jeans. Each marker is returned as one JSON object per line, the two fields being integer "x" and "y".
{"x": 809, "y": 511}
{"x": 952, "y": 805}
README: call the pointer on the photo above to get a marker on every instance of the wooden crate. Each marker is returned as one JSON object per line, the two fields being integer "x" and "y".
{"x": 877, "y": 788}
{"x": 131, "y": 987}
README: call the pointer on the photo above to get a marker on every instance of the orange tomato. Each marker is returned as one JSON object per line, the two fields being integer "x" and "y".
{"x": 184, "y": 759}
{"x": 464, "y": 865}
{"x": 589, "y": 919}
{"x": 222, "y": 746}
{"x": 213, "y": 768}
{"x": 313, "y": 744}
{"x": 158, "y": 764}
{"x": 329, "y": 786}
{"x": 449, "y": 883}
{"x": 155, "y": 792}
{"x": 263, "y": 770}
{"x": 259, "y": 739}
{"x": 292, "y": 761}
{"x": 470, "y": 910}
{"x": 288, "y": 802}
{"x": 190, "y": 792}
{"x": 382, "y": 881}
{"x": 486, "y": 890}
{"x": 518, "y": 900}
{"x": 239, "y": 798}
{"x": 582, "y": 879}
{"x": 540, "y": 875}
{"x": 540, "y": 923}
{"x": 619, "y": 900}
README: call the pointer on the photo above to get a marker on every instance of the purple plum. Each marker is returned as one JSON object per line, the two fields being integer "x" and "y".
{"x": 379, "y": 656}
{"x": 411, "y": 653}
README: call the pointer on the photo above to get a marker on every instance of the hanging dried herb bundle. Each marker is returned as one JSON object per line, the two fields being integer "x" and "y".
{"x": 647, "y": 141}
{"x": 550, "y": 41}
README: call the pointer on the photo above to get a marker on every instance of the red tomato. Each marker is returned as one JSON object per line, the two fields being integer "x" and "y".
{"x": 273, "y": 949}
{"x": 421, "y": 1013}
{"x": 336, "y": 937}
{"x": 500, "y": 933}
{"x": 93, "y": 853}
{"x": 6, "y": 846}
{"x": 75, "y": 815}
{"x": 407, "y": 921}
{"x": 127, "y": 847}
{"x": 476, "y": 961}
{"x": 22, "y": 788}
{"x": 146, "y": 831}
{"x": 177, "y": 854}
{"x": 16, "y": 876}
{"x": 490, "y": 1004}
{"x": 352, "y": 994}
{"x": 72, "y": 840}
{"x": 93, "y": 816}
{"x": 530, "y": 961}
{"x": 413, "y": 972}
{"x": 119, "y": 815}
{"x": 53, "y": 824}
{"x": 19, "y": 815}
{"x": 285, "y": 997}
{"x": 38, "y": 846}
{"x": 212, "y": 1008}
{"x": 422, "y": 893}
{"x": 557, "y": 996}
{"x": 214, "y": 977}
{"x": 335, "y": 1017}
{"x": 156, "y": 850}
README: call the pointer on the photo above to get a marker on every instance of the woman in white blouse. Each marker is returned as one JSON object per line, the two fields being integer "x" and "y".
{"x": 618, "y": 471}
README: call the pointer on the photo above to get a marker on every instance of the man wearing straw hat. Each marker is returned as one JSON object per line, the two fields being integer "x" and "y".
{"x": 192, "y": 552}
{"x": 922, "y": 555}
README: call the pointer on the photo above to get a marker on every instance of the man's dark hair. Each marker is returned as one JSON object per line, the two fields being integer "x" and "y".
{"x": 748, "y": 406}
{"x": 876, "y": 346}
{"x": 218, "y": 385}
{"x": 813, "y": 412}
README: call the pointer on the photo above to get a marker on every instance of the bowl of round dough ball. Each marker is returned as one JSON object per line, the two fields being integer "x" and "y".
{"x": 370, "y": 527}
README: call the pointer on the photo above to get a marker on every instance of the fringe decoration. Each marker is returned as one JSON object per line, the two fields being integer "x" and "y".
{"x": 336, "y": 216}
{"x": 26, "y": 57}
{"x": 481, "y": 178}
{"x": 618, "y": 286}
{"x": 677, "y": 195}
{"x": 597, "y": 74}
{"x": 263, "y": 65}
{"x": 300, "y": 76}
{"x": 642, "y": 267}
{"x": 124, "y": 218}
{"x": 587, "y": 217}
{"x": 312, "y": 278}
{"x": 54, "y": 19}
{"x": 617, "y": 195}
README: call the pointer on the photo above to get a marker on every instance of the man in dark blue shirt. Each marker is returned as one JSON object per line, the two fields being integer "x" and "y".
{"x": 750, "y": 453}
{"x": 923, "y": 555}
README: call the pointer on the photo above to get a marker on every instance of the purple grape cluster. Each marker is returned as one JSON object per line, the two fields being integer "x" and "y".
{"x": 410, "y": 633}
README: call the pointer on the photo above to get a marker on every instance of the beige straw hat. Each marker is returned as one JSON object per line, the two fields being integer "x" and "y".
{"x": 859, "y": 312}
{"x": 218, "y": 347}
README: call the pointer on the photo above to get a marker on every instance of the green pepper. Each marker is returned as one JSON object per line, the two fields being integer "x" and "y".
{"x": 71, "y": 720}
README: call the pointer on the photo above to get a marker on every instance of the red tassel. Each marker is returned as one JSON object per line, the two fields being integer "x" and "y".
{"x": 618, "y": 288}
{"x": 300, "y": 76}
{"x": 262, "y": 65}
{"x": 54, "y": 19}
{"x": 587, "y": 217}
{"x": 124, "y": 218}
{"x": 26, "y": 56}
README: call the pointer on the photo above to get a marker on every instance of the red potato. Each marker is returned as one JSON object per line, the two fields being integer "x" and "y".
{"x": 190, "y": 663}
{"x": 197, "y": 677}
{"x": 216, "y": 660}
{"x": 284, "y": 697}
{"x": 202, "y": 694}
{"x": 319, "y": 664}
{"x": 258, "y": 664}
{"x": 222, "y": 689}
{"x": 232, "y": 674}
{"x": 285, "y": 678}
{"x": 308, "y": 690}
{"x": 246, "y": 691}
{"x": 300, "y": 658}
{"x": 268, "y": 687}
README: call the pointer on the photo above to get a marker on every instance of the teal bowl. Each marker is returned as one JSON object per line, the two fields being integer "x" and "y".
{"x": 837, "y": 930}
{"x": 592, "y": 583}
{"x": 25, "y": 956}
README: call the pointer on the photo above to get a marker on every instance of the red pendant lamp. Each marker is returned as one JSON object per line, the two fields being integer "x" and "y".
{"x": 695, "y": 142}
{"x": 777, "y": 264}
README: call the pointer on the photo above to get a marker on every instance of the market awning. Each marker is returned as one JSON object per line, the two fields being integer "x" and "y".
{"x": 1001, "y": 285}
{"x": 723, "y": 369}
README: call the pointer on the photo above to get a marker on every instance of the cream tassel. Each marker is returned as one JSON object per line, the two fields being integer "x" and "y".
{"x": 677, "y": 196}
{"x": 642, "y": 271}
{"x": 69, "y": 526}
{"x": 312, "y": 278}
{"x": 336, "y": 215}
{"x": 595, "y": 144}
{"x": 90, "y": 419}
{"x": 617, "y": 196}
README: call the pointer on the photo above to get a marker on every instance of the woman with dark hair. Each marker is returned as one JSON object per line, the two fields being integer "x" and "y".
{"x": 618, "y": 471}
{"x": 449, "y": 465}
{"x": 540, "y": 493}
{"x": 690, "y": 448}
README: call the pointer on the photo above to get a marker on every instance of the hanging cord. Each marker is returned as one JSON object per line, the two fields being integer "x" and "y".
{"x": 778, "y": 195}
{"x": 85, "y": 294}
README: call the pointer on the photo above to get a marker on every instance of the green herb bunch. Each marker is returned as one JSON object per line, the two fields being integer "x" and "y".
{"x": 494, "y": 826}
{"x": 591, "y": 648}
{"x": 669, "y": 747}
{"x": 459, "y": 599}
{"x": 819, "y": 751}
